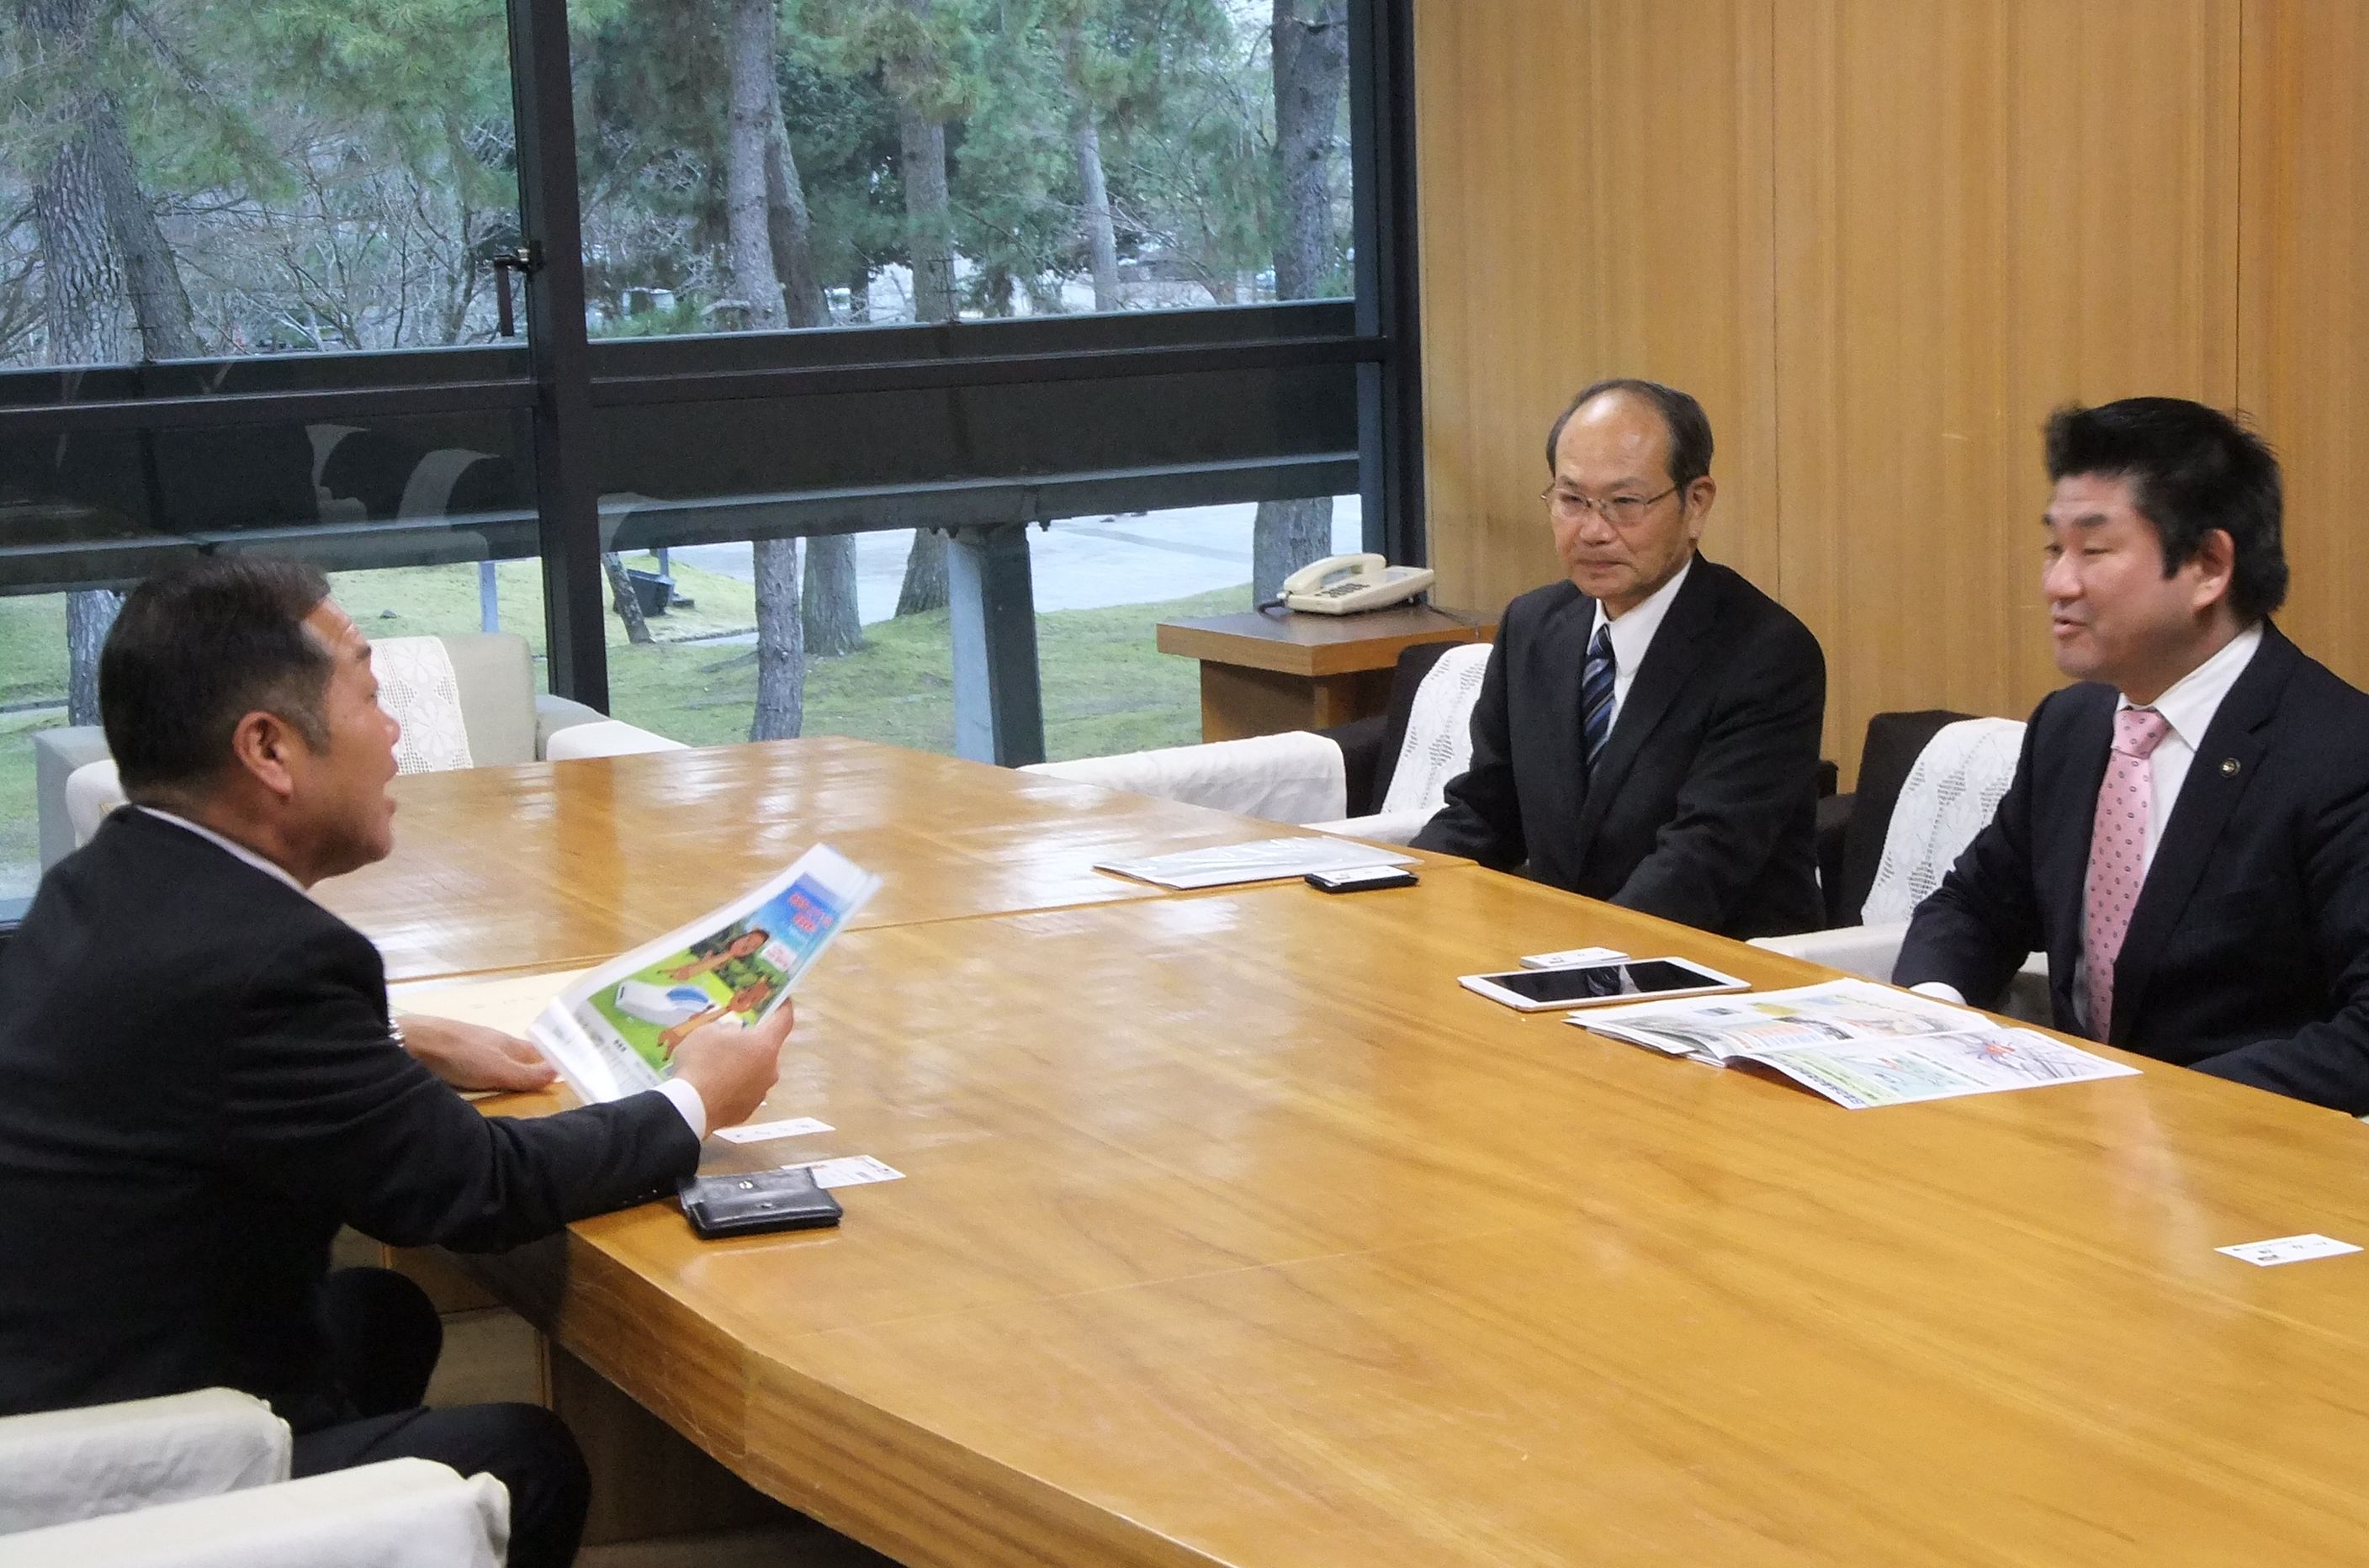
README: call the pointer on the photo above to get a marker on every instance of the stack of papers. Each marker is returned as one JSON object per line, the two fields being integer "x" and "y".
{"x": 1857, "y": 1043}
{"x": 1262, "y": 860}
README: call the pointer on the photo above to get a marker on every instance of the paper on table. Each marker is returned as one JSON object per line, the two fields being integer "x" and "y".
{"x": 760, "y": 1132}
{"x": 1936, "y": 1067}
{"x": 1262, "y": 860}
{"x": 2289, "y": 1249}
{"x": 851, "y": 1170}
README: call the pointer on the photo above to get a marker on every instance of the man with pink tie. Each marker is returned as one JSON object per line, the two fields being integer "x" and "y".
{"x": 2187, "y": 836}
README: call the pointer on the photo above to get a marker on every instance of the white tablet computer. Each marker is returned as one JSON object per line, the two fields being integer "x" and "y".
{"x": 1594, "y": 985}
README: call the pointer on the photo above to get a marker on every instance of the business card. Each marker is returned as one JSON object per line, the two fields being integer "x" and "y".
{"x": 760, "y": 1132}
{"x": 854, "y": 1171}
{"x": 2288, "y": 1249}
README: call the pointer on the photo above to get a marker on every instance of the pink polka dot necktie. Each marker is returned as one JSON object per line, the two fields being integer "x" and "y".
{"x": 2118, "y": 841}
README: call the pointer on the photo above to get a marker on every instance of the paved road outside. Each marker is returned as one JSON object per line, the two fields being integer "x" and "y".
{"x": 1080, "y": 563}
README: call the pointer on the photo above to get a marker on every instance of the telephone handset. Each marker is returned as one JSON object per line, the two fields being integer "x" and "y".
{"x": 1341, "y": 585}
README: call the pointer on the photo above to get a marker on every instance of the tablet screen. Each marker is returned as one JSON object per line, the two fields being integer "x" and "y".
{"x": 1632, "y": 980}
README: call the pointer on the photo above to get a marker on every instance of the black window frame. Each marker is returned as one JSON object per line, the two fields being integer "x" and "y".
{"x": 566, "y": 381}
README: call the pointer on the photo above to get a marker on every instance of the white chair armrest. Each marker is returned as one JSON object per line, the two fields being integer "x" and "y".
{"x": 397, "y": 1514}
{"x": 1869, "y": 950}
{"x": 552, "y": 714}
{"x": 93, "y": 790}
{"x": 1380, "y": 828}
{"x": 1296, "y": 777}
{"x": 67, "y": 1465}
{"x": 605, "y": 738}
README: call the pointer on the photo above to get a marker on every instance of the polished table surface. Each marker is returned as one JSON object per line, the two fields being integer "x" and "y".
{"x": 1233, "y": 1231}
{"x": 566, "y": 863}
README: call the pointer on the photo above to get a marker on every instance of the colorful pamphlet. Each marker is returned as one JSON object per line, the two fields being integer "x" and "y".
{"x": 613, "y": 1032}
{"x": 1858, "y": 1043}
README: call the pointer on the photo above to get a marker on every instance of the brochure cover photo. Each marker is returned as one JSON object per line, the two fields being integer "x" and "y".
{"x": 614, "y": 1032}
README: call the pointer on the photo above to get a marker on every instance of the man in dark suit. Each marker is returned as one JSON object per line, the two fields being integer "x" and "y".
{"x": 1647, "y": 732}
{"x": 2187, "y": 835}
{"x": 202, "y": 1083}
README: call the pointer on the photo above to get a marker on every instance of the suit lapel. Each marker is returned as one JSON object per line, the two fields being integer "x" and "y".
{"x": 2223, "y": 767}
{"x": 1671, "y": 659}
{"x": 1563, "y": 657}
{"x": 2089, "y": 739}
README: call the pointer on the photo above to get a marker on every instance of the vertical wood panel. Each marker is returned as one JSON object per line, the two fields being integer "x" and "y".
{"x": 1986, "y": 208}
{"x": 1595, "y": 200}
{"x": 2303, "y": 366}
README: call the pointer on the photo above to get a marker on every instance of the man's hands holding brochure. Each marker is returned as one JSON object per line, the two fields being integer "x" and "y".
{"x": 733, "y": 1065}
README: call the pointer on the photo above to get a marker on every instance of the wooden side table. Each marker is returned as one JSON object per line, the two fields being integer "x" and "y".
{"x": 1262, "y": 674}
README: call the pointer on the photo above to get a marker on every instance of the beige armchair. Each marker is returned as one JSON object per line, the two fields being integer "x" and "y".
{"x": 504, "y": 717}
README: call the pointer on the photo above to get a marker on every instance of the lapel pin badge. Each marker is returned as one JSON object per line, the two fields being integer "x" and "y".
{"x": 2229, "y": 767}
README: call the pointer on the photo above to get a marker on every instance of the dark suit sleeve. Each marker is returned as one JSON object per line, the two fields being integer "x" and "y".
{"x": 1752, "y": 777}
{"x": 1977, "y": 929}
{"x": 322, "y": 1105}
{"x": 2326, "y": 1063}
{"x": 1481, "y": 817}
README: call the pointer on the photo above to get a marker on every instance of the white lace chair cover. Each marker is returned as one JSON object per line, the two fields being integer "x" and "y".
{"x": 415, "y": 684}
{"x": 1294, "y": 777}
{"x": 1950, "y": 794}
{"x": 1438, "y": 744}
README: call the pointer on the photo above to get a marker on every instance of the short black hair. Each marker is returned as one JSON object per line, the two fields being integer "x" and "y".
{"x": 1689, "y": 425}
{"x": 198, "y": 647}
{"x": 2191, "y": 469}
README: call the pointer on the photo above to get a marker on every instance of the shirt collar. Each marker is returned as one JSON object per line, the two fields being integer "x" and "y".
{"x": 1633, "y": 633}
{"x": 229, "y": 846}
{"x": 2192, "y": 700}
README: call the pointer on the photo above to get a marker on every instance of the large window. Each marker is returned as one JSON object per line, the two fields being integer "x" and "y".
{"x": 514, "y": 315}
{"x": 845, "y": 162}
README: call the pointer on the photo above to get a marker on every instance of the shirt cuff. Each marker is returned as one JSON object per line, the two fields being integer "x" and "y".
{"x": 1940, "y": 991}
{"x": 686, "y": 1100}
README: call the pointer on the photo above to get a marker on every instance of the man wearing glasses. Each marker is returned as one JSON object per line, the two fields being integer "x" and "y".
{"x": 1648, "y": 730}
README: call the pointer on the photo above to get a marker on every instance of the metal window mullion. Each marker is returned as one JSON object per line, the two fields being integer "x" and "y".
{"x": 1389, "y": 391}
{"x": 575, "y": 614}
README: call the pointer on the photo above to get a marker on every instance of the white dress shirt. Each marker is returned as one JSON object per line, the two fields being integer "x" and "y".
{"x": 1633, "y": 633}
{"x": 682, "y": 1096}
{"x": 2187, "y": 706}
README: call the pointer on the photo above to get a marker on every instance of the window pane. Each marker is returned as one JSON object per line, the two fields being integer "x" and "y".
{"x": 925, "y": 160}
{"x": 1104, "y": 584}
{"x": 186, "y": 179}
{"x": 410, "y": 517}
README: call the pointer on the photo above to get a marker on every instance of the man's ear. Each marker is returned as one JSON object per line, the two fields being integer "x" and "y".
{"x": 2215, "y": 564}
{"x": 265, "y": 745}
{"x": 1700, "y": 496}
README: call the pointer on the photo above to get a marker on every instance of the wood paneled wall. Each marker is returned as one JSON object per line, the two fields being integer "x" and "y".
{"x": 1882, "y": 239}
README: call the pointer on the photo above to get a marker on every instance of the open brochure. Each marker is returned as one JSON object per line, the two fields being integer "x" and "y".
{"x": 1262, "y": 859}
{"x": 612, "y": 1032}
{"x": 1857, "y": 1043}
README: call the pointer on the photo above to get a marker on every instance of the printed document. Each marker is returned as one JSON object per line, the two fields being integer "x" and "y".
{"x": 613, "y": 1031}
{"x": 1262, "y": 860}
{"x": 1858, "y": 1043}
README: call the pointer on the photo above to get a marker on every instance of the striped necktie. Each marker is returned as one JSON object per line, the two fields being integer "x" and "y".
{"x": 1596, "y": 695}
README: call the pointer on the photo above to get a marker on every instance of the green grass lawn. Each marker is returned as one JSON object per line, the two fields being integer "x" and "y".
{"x": 1106, "y": 687}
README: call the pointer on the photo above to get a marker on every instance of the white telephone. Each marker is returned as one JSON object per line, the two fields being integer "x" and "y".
{"x": 1341, "y": 585}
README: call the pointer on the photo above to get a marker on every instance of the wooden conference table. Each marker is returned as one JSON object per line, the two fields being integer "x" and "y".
{"x": 1233, "y": 1231}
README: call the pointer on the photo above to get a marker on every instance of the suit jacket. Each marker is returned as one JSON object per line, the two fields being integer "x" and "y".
{"x": 197, "y": 1088}
{"x": 2248, "y": 953}
{"x": 1703, "y": 805}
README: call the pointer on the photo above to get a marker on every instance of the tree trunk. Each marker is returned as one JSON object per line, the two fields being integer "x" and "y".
{"x": 755, "y": 120}
{"x": 833, "y": 625}
{"x": 623, "y": 600}
{"x": 1286, "y": 536}
{"x": 1312, "y": 70}
{"x": 89, "y": 614}
{"x": 780, "y": 643}
{"x": 159, "y": 303}
{"x": 832, "y": 622}
{"x": 1095, "y": 208}
{"x": 931, "y": 245}
{"x": 749, "y": 168}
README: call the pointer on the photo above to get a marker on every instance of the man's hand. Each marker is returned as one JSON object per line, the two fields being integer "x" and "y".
{"x": 733, "y": 1067}
{"x": 470, "y": 1056}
